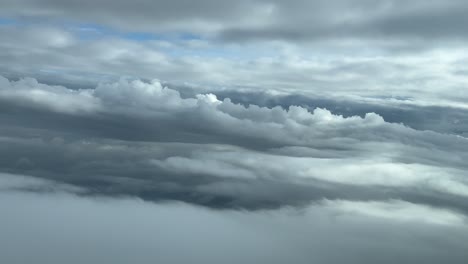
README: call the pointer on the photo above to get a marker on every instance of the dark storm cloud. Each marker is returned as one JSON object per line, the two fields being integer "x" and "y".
{"x": 133, "y": 138}
{"x": 162, "y": 172}
{"x": 282, "y": 131}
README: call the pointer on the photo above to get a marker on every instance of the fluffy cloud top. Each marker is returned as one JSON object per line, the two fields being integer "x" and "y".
{"x": 143, "y": 139}
{"x": 339, "y": 127}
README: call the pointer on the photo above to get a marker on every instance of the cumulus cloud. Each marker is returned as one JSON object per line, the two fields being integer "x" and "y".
{"x": 431, "y": 78}
{"x": 301, "y": 131}
{"x": 143, "y": 139}
{"x": 56, "y": 98}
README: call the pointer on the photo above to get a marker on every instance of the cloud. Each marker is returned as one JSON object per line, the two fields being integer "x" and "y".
{"x": 428, "y": 79}
{"x": 445, "y": 120}
{"x": 11, "y": 183}
{"x": 393, "y": 21}
{"x": 276, "y": 131}
{"x": 400, "y": 211}
{"x": 56, "y": 98}
{"x": 178, "y": 232}
{"x": 142, "y": 139}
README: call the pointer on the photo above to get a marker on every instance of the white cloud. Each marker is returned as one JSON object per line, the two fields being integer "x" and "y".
{"x": 258, "y": 144}
{"x": 56, "y": 98}
{"x": 399, "y": 211}
{"x": 50, "y": 227}
{"x": 283, "y": 114}
{"x": 11, "y": 183}
{"x": 426, "y": 79}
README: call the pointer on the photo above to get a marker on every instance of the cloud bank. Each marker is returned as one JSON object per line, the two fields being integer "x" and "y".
{"x": 277, "y": 132}
{"x": 178, "y": 232}
{"x": 141, "y": 139}
{"x": 393, "y": 21}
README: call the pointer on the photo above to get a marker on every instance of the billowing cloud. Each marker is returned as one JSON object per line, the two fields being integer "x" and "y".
{"x": 276, "y": 131}
{"x": 64, "y": 56}
{"x": 142, "y": 139}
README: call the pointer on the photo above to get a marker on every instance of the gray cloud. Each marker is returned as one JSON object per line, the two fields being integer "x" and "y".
{"x": 133, "y": 138}
{"x": 300, "y": 131}
{"x": 447, "y": 120}
{"x": 176, "y": 232}
{"x": 393, "y": 21}
{"x": 269, "y": 20}
{"x": 61, "y": 56}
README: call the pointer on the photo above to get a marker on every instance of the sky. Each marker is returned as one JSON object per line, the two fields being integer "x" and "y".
{"x": 251, "y": 131}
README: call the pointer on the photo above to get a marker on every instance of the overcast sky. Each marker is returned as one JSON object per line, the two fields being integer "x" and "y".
{"x": 251, "y": 131}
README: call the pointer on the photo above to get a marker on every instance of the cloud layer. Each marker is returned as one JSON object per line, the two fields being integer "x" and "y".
{"x": 78, "y": 57}
{"x": 302, "y": 131}
{"x": 177, "y": 232}
{"x": 394, "y": 21}
{"x": 142, "y": 139}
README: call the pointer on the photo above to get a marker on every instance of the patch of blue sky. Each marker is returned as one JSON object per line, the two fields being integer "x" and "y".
{"x": 181, "y": 40}
{"x": 170, "y": 37}
{"x": 89, "y": 31}
{"x": 7, "y": 21}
